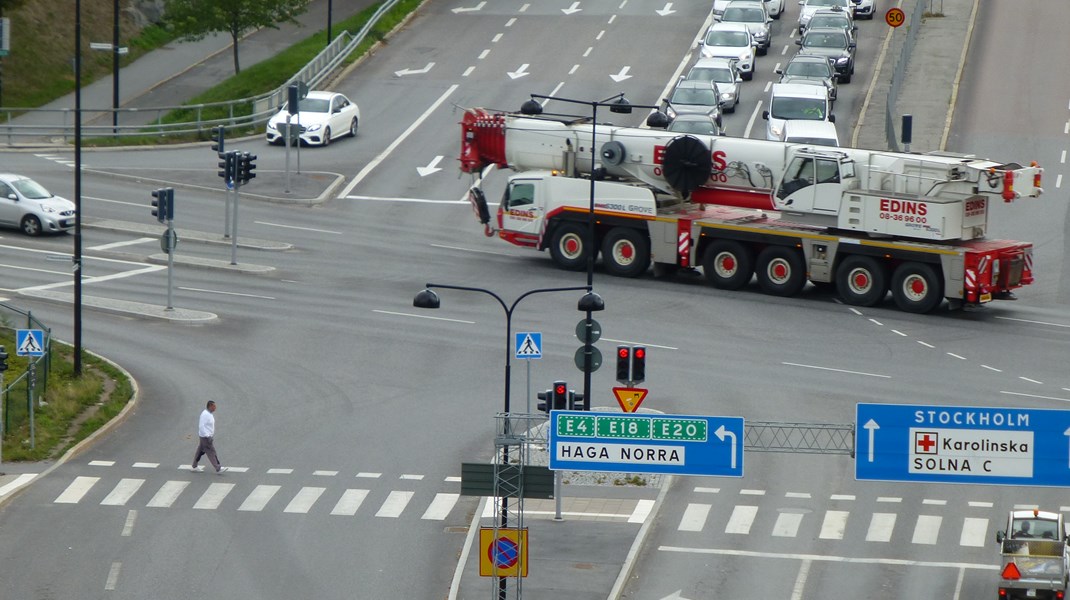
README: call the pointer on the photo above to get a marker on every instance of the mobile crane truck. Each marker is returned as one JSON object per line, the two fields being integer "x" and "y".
{"x": 1035, "y": 557}
{"x": 863, "y": 221}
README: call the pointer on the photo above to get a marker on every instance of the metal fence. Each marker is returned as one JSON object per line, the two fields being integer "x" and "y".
{"x": 899, "y": 73}
{"x": 242, "y": 113}
{"x": 11, "y": 319}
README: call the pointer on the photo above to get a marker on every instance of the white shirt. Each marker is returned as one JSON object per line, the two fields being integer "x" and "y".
{"x": 206, "y": 428}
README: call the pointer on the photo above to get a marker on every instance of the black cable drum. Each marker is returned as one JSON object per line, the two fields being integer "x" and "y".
{"x": 687, "y": 163}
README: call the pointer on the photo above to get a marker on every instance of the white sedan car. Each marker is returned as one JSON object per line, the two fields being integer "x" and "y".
{"x": 322, "y": 115}
{"x": 32, "y": 208}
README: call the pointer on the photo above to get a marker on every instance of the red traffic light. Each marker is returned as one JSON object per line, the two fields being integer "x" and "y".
{"x": 622, "y": 351}
{"x": 560, "y": 389}
{"x": 640, "y": 353}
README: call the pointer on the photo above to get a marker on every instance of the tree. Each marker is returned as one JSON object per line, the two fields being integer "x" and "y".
{"x": 195, "y": 19}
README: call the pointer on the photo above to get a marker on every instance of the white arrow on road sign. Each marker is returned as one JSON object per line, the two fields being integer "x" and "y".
{"x": 721, "y": 434}
{"x": 522, "y": 71}
{"x": 405, "y": 72}
{"x": 575, "y": 8}
{"x": 871, "y": 426}
{"x": 432, "y": 167}
{"x": 619, "y": 77}
{"x": 667, "y": 10}
{"x": 474, "y": 8}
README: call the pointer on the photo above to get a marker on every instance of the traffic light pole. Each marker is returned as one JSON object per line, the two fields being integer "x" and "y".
{"x": 234, "y": 230}
{"x": 171, "y": 239}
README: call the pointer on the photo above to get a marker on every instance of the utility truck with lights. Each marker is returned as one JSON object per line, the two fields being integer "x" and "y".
{"x": 863, "y": 221}
{"x": 1035, "y": 556}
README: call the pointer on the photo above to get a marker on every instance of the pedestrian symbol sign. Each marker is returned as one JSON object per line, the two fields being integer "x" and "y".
{"x": 528, "y": 345}
{"x": 29, "y": 342}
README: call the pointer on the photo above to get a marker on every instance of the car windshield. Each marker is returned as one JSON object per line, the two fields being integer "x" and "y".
{"x": 743, "y": 14}
{"x": 812, "y": 109}
{"x": 317, "y": 105}
{"x": 728, "y": 38}
{"x": 824, "y": 40}
{"x": 842, "y": 3}
{"x": 830, "y": 21}
{"x": 700, "y": 126}
{"x": 30, "y": 189}
{"x": 715, "y": 74}
{"x": 704, "y": 97}
{"x": 801, "y": 68}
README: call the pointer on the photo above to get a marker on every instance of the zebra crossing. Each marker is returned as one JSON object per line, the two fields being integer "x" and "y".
{"x": 874, "y": 523}
{"x": 254, "y": 497}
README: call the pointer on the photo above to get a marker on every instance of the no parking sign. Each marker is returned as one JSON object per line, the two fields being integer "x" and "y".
{"x": 503, "y": 552}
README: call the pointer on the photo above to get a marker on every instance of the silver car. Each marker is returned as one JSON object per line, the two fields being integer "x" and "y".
{"x": 25, "y": 204}
{"x": 752, "y": 15}
{"x": 722, "y": 72}
{"x": 694, "y": 98}
{"x": 804, "y": 68}
{"x": 809, "y": 7}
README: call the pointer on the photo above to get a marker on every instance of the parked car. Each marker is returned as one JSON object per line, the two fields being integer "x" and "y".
{"x": 731, "y": 40}
{"x": 723, "y": 72}
{"x": 833, "y": 44}
{"x": 697, "y": 125}
{"x": 803, "y": 68}
{"x": 323, "y": 115}
{"x": 26, "y": 204}
{"x": 809, "y": 7}
{"x": 752, "y": 15}
{"x": 694, "y": 98}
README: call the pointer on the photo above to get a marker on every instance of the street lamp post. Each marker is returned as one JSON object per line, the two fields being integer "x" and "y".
{"x": 617, "y": 104}
{"x": 427, "y": 298}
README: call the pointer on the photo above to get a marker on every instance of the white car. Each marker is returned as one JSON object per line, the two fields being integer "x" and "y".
{"x": 864, "y": 9}
{"x": 775, "y": 8}
{"x": 718, "y": 8}
{"x": 25, "y": 204}
{"x": 731, "y": 40}
{"x": 809, "y": 7}
{"x": 323, "y": 115}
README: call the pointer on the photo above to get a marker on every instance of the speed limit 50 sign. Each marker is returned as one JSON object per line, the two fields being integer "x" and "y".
{"x": 895, "y": 17}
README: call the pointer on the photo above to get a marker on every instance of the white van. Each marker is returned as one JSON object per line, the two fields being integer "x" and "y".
{"x": 800, "y": 101}
{"x": 821, "y": 133}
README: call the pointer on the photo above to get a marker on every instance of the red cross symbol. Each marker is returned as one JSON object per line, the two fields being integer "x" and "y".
{"x": 925, "y": 442}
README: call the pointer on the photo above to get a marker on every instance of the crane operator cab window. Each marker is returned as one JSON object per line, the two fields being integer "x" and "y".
{"x": 519, "y": 195}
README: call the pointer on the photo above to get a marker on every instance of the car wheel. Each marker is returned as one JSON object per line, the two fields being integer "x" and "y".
{"x": 763, "y": 51}
{"x": 626, "y": 253}
{"x": 353, "y": 127}
{"x": 568, "y": 248}
{"x": 862, "y": 281}
{"x": 748, "y": 75}
{"x": 781, "y": 271}
{"x": 30, "y": 225}
{"x": 846, "y": 78}
{"x": 727, "y": 265}
{"x": 917, "y": 288}
{"x": 327, "y": 136}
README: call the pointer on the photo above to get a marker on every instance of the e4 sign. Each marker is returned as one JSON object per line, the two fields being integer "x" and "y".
{"x": 958, "y": 444}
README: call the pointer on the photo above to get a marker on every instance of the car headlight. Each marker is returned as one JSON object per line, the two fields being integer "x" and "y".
{"x": 49, "y": 209}
{"x": 727, "y": 96}
{"x": 761, "y": 35}
{"x": 842, "y": 60}
{"x": 744, "y": 58}
{"x": 315, "y": 127}
{"x": 272, "y": 127}
{"x": 669, "y": 111}
{"x": 776, "y": 130}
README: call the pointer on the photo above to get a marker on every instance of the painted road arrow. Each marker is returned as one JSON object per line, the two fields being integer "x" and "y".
{"x": 522, "y": 71}
{"x": 575, "y": 8}
{"x": 675, "y": 596}
{"x": 619, "y": 77}
{"x": 430, "y": 168}
{"x": 667, "y": 10}
{"x": 475, "y": 8}
{"x": 404, "y": 72}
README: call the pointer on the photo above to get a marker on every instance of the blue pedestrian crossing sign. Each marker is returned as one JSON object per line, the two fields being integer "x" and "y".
{"x": 528, "y": 345}
{"x": 29, "y": 342}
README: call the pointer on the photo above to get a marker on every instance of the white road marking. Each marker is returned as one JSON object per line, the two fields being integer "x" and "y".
{"x": 926, "y": 529}
{"x": 413, "y": 477}
{"x": 440, "y": 507}
{"x": 299, "y": 228}
{"x": 304, "y": 500}
{"x": 279, "y": 471}
{"x": 414, "y": 200}
{"x": 20, "y": 481}
{"x": 124, "y": 243}
{"x": 259, "y": 497}
{"x": 122, "y": 492}
{"x": 842, "y": 497}
{"x": 325, "y": 473}
{"x": 76, "y": 490}
{"x": 974, "y": 532}
{"x": 889, "y": 499}
{"x": 401, "y": 314}
{"x": 880, "y": 527}
{"x": 787, "y": 524}
{"x": 128, "y": 527}
{"x": 452, "y": 479}
{"x": 145, "y": 465}
{"x": 394, "y": 504}
{"x": 113, "y": 576}
{"x": 741, "y": 520}
{"x": 694, "y": 517}
{"x": 222, "y": 293}
{"x": 167, "y": 494}
{"x": 800, "y": 580}
{"x": 827, "y": 558}
{"x": 641, "y": 511}
{"x": 833, "y": 526}
{"x": 790, "y": 364}
{"x": 101, "y": 463}
{"x": 804, "y": 495}
{"x": 350, "y": 502}
{"x": 936, "y": 502}
{"x": 213, "y": 496}
{"x": 365, "y": 475}
{"x": 751, "y": 492}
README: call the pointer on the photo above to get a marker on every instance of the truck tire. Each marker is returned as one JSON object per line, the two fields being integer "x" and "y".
{"x": 861, "y": 281}
{"x": 727, "y": 265}
{"x": 781, "y": 271}
{"x": 625, "y": 252}
{"x": 567, "y": 247}
{"x": 917, "y": 287}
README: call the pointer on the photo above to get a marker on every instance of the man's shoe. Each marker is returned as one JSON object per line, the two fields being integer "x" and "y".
{"x": 199, "y": 469}
{"x": 221, "y": 471}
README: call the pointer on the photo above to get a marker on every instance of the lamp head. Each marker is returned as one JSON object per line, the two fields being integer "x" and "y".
{"x": 531, "y": 107}
{"x": 427, "y": 298}
{"x": 591, "y": 302}
{"x": 621, "y": 106}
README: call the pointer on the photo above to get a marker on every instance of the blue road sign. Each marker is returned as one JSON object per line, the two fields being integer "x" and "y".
{"x": 962, "y": 444}
{"x": 646, "y": 443}
{"x": 528, "y": 345}
{"x": 29, "y": 342}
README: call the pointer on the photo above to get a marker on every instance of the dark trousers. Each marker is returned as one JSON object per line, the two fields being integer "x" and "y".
{"x": 206, "y": 448}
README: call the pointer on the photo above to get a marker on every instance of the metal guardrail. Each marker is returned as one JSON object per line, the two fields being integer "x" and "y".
{"x": 242, "y": 113}
{"x": 899, "y": 73}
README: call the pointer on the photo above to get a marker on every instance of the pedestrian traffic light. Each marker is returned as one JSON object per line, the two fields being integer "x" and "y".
{"x": 560, "y": 393}
{"x": 217, "y": 139}
{"x": 624, "y": 363}
{"x": 3, "y": 359}
{"x": 638, "y": 364}
{"x": 163, "y": 204}
{"x": 247, "y": 167}
{"x": 229, "y": 164}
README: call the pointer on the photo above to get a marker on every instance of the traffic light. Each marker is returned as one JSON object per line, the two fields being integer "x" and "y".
{"x": 576, "y": 401}
{"x": 638, "y": 364}
{"x": 292, "y": 99}
{"x": 3, "y": 359}
{"x": 560, "y": 395}
{"x": 547, "y": 401}
{"x": 246, "y": 167}
{"x": 217, "y": 139}
{"x": 229, "y": 164}
{"x": 624, "y": 363}
{"x": 163, "y": 204}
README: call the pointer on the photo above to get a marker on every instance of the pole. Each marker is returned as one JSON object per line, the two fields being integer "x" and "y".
{"x": 234, "y": 236}
{"x": 288, "y": 115}
{"x": 590, "y": 264}
{"x": 115, "y": 69}
{"x": 77, "y": 189}
{"x": 170, "y": 260}
{"x": 329, "y": 11}
{"x": 32, "y": 389}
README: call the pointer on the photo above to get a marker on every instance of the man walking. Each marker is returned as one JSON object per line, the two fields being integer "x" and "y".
{"x": 206, "y": 432}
